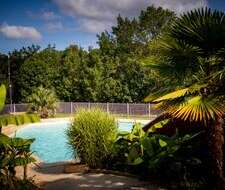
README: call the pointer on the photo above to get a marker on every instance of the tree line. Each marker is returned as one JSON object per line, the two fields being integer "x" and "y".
{"x": 113, "y": 72}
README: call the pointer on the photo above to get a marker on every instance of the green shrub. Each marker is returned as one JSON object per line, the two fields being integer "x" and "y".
{"x": 34, "y": 118}
{"x": 3, "y": 121}
{"x": 26, "y": 119}
{"x": 11, "y": 120}
{"x": 7, "y": 120}
{"x": 2, "y": 96}
{"x": 14, "y": 152}
{"x": 179, "y": 161}
{"x": 18, "y": 119}
{"x": 92, "y": 135}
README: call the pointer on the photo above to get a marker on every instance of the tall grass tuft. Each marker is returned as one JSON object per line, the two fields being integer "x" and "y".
{"x": 91, "y": 136}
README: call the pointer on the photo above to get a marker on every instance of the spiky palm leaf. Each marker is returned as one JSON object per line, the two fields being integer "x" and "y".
{"x": 203, "y": 28}
{"x": 194, "y": 46}
{"x": 194, "y": 108}
{"x": 166, "y": 94}
{"x": 177, "y": 59}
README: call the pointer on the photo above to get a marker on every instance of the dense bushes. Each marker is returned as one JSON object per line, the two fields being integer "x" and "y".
{"x": 19, "y": 119}
{"x": 179, "y": 161}
{"x": 92, "y": 135}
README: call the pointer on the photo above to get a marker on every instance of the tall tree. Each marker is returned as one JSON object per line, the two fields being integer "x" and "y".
{"x": 38, "y": 70}
{"x": 130, "y": 37}
{"x": 16, "y": 60}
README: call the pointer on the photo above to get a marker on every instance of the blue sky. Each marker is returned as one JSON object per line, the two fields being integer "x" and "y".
{"x": 65, "y": 22}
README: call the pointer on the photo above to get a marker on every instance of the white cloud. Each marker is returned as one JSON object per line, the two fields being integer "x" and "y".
{"x": 98, "y": 15}
{"x": 94, "y": 26}
{"x": 49, "y": 15}
{"x": 20, "y": 32}
{"x": 43, "y": 15}
{"x": 53, "y": 26}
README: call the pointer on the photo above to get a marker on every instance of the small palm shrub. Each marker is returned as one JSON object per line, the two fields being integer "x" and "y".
{"x": 92, "y": 135}
{"x": 43, "y": 101}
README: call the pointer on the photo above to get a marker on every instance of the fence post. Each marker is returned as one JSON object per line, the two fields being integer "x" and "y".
{"x": 14, "y": 108}
{"x": 149, "y": 110}
{"x": 89, "y": 105}
{"x": 107, "y": 107}
{"x": 71, "y": 107}
{"x": 128, "y": 111}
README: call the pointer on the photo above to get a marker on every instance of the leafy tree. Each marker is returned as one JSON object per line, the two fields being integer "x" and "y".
{"x": 17, "y": 59}
{"x": 39, "y": 69}
{"x": 130, "y": 37}
{"x": 152, "y": 22}
{"x": 68, "y": 82}
{"x": 3, "y": 68}
{"x": 121, "y": 50}
{"x": 192, "y": 52}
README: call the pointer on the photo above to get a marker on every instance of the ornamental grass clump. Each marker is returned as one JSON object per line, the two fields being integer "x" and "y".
{"x": 91, "y": 136}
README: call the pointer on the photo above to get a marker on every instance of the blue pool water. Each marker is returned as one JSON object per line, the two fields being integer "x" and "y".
{"x": 50, "y": 143}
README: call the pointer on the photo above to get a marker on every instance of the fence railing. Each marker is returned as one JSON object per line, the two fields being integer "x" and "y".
{"x": 126, "y": 109}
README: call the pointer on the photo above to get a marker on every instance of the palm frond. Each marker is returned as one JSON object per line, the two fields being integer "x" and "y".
{"x": 173, "y": 95}
{"x": 158, "y": 93}
{"x": 195, "y": 88}
{"x": 199, "y": 27}
{"x": 196, "y": 108}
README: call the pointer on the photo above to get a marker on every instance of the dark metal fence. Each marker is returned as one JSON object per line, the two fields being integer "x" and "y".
{"x": 126, "y": 109}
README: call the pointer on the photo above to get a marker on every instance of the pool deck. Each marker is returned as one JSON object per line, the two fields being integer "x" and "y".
{"x": 53, "y": 177}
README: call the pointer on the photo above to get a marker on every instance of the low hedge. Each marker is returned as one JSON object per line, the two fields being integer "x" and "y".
{"x": 18, "y": 119}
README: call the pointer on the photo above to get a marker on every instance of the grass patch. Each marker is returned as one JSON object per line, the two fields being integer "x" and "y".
{"x": 19, "y": 119}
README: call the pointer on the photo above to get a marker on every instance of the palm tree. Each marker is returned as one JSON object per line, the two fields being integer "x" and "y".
{"x": 43, "y": 101}
{"x": 192, "y": 64}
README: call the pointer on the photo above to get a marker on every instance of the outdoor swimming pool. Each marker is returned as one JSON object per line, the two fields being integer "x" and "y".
{"x": 50, "y": 143}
